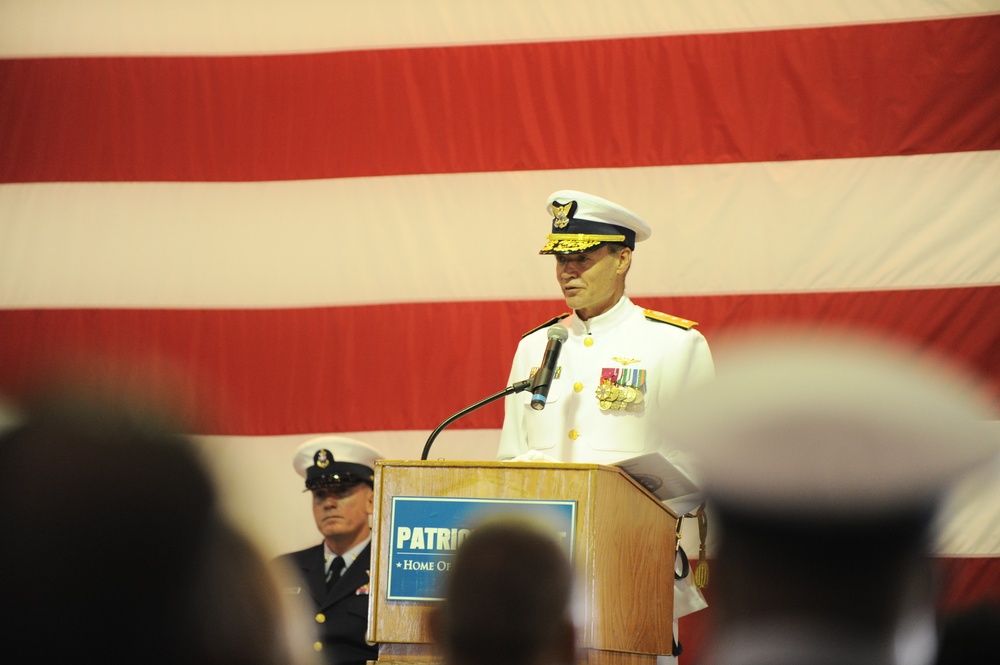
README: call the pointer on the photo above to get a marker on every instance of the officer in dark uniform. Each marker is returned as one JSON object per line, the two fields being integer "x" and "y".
{"x": 340, "y": 473}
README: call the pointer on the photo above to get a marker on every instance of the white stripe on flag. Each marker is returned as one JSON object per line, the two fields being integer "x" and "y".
{"x": 119, "y": 27}
{"x": 830, "y": 225}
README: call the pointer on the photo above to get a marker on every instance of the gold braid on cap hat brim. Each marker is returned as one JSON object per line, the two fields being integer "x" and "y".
{"x": 577, "y": 242}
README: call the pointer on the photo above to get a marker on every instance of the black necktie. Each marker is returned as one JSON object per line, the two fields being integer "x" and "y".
{"x": 333, "y": 574}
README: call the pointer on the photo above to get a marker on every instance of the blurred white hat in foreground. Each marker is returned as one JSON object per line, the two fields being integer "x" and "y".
{"x": 813, "y": 425}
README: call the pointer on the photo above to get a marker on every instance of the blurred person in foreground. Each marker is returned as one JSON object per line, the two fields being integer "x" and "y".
{"x": 340, "y": 473}
{"x": 825, "y": 462}
{"x": 114, "y": 550}
{"x": 507, "y": 599}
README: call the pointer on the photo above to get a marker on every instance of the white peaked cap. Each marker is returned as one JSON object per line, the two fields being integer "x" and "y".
{"x": 582, "y": 222}
{"x": 333, "y": 459}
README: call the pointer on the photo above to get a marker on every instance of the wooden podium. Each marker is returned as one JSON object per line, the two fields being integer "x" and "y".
{"x": 623, "y": 553}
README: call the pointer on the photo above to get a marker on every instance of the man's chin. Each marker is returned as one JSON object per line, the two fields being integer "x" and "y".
{"x": 334, "y": 529}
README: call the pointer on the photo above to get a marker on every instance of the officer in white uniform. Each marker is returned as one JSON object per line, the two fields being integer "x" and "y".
{"x": 824, "y": 461}
{"x": 620, "y": 367}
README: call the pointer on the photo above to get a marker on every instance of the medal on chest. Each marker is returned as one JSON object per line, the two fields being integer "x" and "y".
{"x": 622, "y": 389}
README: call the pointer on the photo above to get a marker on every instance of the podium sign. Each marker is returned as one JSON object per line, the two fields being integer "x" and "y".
{"x": 426, "y": 531}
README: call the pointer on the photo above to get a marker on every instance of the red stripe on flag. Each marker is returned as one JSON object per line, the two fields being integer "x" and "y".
{"x": 410, "y": 366}
{"x": 854, "y": 91}
{"x": 968, "y": 581}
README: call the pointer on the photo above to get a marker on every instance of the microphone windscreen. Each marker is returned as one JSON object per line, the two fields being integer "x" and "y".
{"x": 558, "y": 333}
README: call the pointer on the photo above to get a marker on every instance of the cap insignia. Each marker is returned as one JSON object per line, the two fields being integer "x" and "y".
{"x": 561, "y": 214}
{"x": 323, "y": 458}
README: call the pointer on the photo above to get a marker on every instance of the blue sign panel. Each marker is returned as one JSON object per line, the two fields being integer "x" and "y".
{"x": 426, "y": 531}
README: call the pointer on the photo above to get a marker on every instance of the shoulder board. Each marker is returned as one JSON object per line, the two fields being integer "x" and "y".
{"x": 653, "y": 315}
{"x": 551, "y": 322}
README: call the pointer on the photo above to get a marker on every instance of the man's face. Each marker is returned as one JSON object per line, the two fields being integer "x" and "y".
{"x": 592, "y": 282}
{"x": 342, "y": 514}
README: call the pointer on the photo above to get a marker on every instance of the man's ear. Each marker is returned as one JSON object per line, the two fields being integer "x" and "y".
{"x": 624, "y": 260}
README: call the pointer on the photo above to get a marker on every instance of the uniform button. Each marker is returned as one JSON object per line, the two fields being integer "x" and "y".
{"x": 320, "y": 618}
{"x": 574, "y": 435}
{"x": 578, "y": 386}
{"x": 588, "y": 341}
{"x": 318, "y": 646}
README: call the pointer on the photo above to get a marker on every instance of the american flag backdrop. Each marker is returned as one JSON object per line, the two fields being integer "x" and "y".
{"x": 325, "y": 217}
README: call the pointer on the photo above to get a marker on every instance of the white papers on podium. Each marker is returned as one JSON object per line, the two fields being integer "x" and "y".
{"x": 665, "y": 480}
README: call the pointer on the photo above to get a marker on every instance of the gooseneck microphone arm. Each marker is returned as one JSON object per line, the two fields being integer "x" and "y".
{"x": 509, "y": 390}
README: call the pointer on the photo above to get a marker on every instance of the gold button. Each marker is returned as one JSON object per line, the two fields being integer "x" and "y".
{"x": 574, "y": 435}
{"x": 588, "y": 341}
{"x": 577, "y": 386}
{"x": 320, "y": 618}
{"x": 318, "y": 646}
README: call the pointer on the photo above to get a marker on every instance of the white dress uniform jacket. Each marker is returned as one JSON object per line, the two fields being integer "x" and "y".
{"x": 666, "y": 358}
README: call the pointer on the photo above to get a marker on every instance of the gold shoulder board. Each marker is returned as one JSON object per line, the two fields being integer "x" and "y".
{"x": 551, "y": 322}
{"x": 653, "y": 315}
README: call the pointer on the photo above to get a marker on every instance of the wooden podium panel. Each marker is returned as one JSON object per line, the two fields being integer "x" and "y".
{"x": 623, "y": 554}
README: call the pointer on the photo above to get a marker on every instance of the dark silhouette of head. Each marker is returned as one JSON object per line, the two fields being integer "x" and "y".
{"x": 507, "y": 598}
{"x": 113, "y": 548}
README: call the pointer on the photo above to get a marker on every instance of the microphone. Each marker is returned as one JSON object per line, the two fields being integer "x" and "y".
{"x": 542, "y": 380}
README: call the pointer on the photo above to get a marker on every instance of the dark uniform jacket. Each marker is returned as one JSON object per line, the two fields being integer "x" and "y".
{"x": 342, "y": 612}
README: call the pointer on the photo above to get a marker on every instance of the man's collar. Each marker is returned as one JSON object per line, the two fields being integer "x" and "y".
{"x": 350, "y": 555}
{"x": 610, "y": 319}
